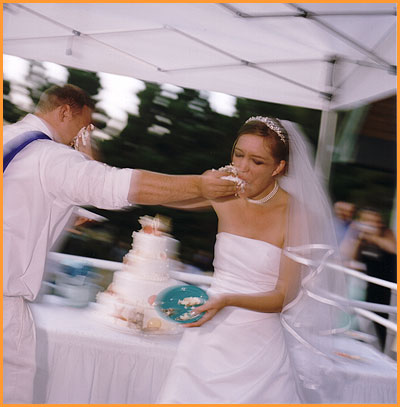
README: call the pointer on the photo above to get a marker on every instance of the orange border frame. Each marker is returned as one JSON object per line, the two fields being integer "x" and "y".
{"x": 162, "y": 1}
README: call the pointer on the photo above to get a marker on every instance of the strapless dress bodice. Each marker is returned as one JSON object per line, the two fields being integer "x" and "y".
{"x": 239, "y": 356}
{"x": 244, "y": 265}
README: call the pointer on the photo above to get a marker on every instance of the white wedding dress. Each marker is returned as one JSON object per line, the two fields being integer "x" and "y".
{"x": 240, "y": 355}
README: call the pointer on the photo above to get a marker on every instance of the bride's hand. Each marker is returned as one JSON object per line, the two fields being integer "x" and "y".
{"x": 211, "y": 307}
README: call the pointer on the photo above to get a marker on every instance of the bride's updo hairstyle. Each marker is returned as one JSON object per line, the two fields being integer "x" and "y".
{"x": 274, "y": 134}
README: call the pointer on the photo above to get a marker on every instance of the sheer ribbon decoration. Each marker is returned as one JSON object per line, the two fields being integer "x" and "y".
{"x": 310, "y": 317}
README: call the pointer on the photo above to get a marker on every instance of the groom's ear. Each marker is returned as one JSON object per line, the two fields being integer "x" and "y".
{"x": 64, "y": 113}
{"x": 279, "y": 168}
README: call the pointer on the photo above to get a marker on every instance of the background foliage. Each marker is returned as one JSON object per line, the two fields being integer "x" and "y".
{"x": 179, "y": 133}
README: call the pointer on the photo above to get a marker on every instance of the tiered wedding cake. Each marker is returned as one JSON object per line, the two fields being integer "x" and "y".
{"x": 127, "y": 302}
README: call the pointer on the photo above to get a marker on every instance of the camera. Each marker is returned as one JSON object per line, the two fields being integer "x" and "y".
{"x": 364, "y": 227}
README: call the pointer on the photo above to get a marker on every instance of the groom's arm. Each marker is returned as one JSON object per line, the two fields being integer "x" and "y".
{"x": 152, "y": 188}
{"x": 190, "y": 204}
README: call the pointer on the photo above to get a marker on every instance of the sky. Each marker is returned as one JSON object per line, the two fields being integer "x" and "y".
{"x": 118, "y": 96}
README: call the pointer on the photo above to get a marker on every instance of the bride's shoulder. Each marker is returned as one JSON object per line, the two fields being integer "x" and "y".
{"x": 285, "y": 195}
{"x": 226, "y": 203}
{"x": 284, "y": 199}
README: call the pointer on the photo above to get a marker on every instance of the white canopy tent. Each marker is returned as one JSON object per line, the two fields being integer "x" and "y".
{"x": 325, "y": 56}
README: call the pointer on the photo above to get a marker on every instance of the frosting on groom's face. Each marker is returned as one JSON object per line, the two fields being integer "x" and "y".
{"x": 79, "y": 119}
{"x": 253, "y": 158}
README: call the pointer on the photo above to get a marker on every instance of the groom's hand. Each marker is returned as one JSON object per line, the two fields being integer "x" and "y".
{"x": 213, "y": 187}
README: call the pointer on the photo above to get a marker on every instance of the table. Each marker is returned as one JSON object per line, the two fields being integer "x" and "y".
{"x": 81, "y": 360}
{"x": 361, "y": 375}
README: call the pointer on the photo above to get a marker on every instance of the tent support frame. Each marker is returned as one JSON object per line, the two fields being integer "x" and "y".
{"x": 326, "y": 144}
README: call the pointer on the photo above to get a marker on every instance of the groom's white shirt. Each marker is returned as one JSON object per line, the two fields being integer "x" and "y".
{"x": 41, "y": 186}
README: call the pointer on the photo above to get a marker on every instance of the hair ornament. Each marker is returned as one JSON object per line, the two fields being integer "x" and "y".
{"x": 273, "y": 124}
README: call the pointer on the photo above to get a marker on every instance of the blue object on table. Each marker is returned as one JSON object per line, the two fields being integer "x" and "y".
{"x": 168, "y": 303}
{"x": 75, "y": 268}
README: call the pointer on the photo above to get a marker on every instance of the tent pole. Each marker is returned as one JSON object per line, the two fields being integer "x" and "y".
{"x": 326, "y": 144}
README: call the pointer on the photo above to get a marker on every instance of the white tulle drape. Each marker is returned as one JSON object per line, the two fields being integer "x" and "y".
{"x": 310, "y": 317}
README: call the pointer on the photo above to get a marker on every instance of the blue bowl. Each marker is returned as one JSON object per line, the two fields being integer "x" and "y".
{"x": 168, "y": 306}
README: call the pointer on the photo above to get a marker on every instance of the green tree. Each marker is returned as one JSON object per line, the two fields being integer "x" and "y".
{"x": 11, "y": 112}
{"x": 89, "y": 81}
{"x": 176, "y": 133}
{"x": 38, "y": 81}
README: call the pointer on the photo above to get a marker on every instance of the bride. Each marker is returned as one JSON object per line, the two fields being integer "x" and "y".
{"x": 263, "y": 305}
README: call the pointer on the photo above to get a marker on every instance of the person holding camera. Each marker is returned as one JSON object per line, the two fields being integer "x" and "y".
{"x": 344, "y": 213}
{"x": 371, "y": 242}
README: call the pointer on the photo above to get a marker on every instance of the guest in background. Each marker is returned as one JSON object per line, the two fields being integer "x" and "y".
{"x": 356, "y": 289}
{"x": 370, "y": 241}
{"x": 344, "y": 214}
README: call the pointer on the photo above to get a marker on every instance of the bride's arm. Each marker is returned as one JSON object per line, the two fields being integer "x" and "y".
{"x": 271, "y": 301}
{"x": 285, "y": 290}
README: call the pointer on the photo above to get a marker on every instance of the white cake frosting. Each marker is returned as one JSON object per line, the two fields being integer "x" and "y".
{"x": 127, "y": 303}
{"x": 150, "y": 256}
{"x": 231, "y": 169}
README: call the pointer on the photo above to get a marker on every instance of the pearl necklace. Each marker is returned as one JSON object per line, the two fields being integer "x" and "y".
{"x": 266, "y": 197}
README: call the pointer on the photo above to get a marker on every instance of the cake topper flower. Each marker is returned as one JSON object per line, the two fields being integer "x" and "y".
{"x": 155, "y": 226}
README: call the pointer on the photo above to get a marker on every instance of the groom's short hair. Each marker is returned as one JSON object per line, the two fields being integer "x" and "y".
{"x": 68, "y": 94}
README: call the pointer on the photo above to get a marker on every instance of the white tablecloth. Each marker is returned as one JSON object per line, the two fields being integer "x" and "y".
{"x": 361, "y": 374}
{"x": 80, "y": 360}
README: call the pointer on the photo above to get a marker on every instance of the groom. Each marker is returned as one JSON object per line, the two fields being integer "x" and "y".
{"x": 43, "y": 179}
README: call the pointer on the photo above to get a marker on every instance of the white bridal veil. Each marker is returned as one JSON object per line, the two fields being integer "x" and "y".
{"x": 311, "y": 317}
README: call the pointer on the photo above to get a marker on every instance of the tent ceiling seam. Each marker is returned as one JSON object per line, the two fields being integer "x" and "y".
{"x": 272, "y": 62}
{"x": 372, "y": 13}
{"x": 28, "y": 10}
{"x": 124, "y": 52}
{"x": 241, "y": 63}
{"x": 302, "y": 12}
{"x": 314, "y": 17}
{"x": 226, "y": 6}
{"x": 356, "y": 45}
{"x": 78, "y": 33}
{"x": 344, "y": 37}
{"x": 69, "y": 48}
{"x": 206, "y": 44}
{"x": 140, "y": 30}
{"x": 200, "y": 68}
{"x": 372, "y": 60}
{"x": 363, "y": 63}
{"x": 392, "y": 68}
{"x": 323, "y": 94}
{"x": 52, "y": 37}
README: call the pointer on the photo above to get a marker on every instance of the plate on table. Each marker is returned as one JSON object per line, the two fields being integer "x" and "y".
{"x": 177, "y": 303}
